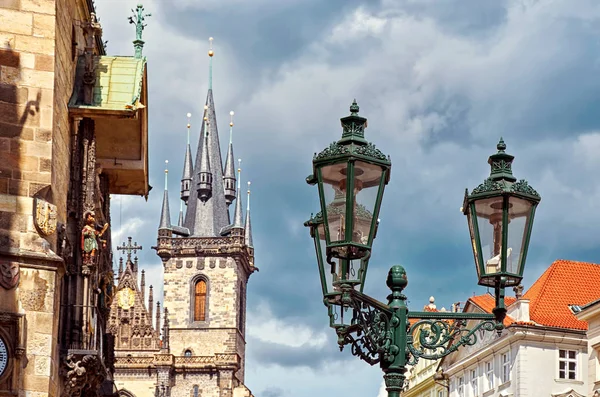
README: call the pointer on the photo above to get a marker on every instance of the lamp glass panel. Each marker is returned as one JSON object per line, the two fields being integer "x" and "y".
{"x": 489, "y": 222}
{"x": 367, "y": 178}
{"x": 470, "y": 218}
{"x": 334, "y": 177}
{"x": 519, "y": 213}
{"x": 342, "y": 315}
{"x": 328, "y": 270}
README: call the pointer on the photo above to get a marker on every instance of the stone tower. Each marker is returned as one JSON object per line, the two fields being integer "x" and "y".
{"x": 207, "y": 261}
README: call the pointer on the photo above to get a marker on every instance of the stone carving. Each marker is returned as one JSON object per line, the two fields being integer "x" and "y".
{"x": 44, "y": 219}
{"x": 9, "y": 274}
{"x": 33, "y": 291}
{"x": 83, "y": 375}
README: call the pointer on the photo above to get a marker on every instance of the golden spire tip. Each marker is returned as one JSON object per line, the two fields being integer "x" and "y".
{"x": 210, "y": 50}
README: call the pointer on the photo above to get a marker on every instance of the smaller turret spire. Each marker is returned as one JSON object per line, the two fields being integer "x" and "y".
{"x": 165, "y": 215}
{"x": 150, "y": 303}
{"x": 247, "y": 225}
{"x": 143, "y": 286}
{"x": 120, "y": 267}
{"x": 158, "y": 316}
{"x": 186, "y": 178}
{"x": 180, "y": 221}
{"x": 238, "y": 219}
{"x": 204, "y": 187}
{"x": 229, "y": 174}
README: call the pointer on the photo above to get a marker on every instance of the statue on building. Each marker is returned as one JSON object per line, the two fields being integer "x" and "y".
{"x": 90, "y": 236}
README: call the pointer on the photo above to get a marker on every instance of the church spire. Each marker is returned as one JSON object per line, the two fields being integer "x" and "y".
{"x": 205, "y": 178}
{"x": 229, "y": 172}
{"x": 247, "y": 225}
{"x": 165, "y": 215}
{"x": 210, "y": 217}
{"x": 186, "y": 178}
{"x": 180, "y": 221}
{"x": 238, "y": 218}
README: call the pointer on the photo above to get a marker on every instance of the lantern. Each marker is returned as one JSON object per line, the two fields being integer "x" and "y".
{"x": 500, "y": 215}
{"x": 351, "y": 175}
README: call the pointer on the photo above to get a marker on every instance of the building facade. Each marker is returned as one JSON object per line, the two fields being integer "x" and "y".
{"x": 590, "y": 313}
{"x": 60, "y": 120}
{"x": 208, "y": 257}
{"x": 543, "y": 351}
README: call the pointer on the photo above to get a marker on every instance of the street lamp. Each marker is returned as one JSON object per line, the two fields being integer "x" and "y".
{"x": 351, "y": 175}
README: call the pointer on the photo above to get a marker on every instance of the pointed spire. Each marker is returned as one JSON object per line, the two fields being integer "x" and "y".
{"x": 165, "y": 215}
{"x": 248, "y": 225}
{"x": 208, "y": 218}
{"x": 205, "y": 178}
{"x": 238, "y": 218}
{"x": 158, "y": 316}
{"x": 186, "y": 178}
{"x": 150, "y": 303}
{"x": 180, "y": 221}
{"x": 165, "y": 340}
{"x": 143, "y": 286}
{"x": 229, "y": 172}
{"x": 210, "y": 54}
{"x": 120, "y": 267}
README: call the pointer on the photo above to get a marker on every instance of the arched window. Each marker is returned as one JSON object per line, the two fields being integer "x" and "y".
{"x": 242, "y": 308}
{"x": 195, "y": 391}
{"x": 200, "y": 300}
{"x": 188, "y": 353}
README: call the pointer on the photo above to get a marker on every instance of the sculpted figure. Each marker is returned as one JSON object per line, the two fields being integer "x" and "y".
{"x": 90, "y": 236}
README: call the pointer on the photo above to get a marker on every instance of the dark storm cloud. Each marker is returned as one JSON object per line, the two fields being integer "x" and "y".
{"x": 305, "y": 355}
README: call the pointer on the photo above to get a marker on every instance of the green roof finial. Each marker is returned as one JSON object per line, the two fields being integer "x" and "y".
{"x": 210, "y": 54}
{"x": 138, "y": 19}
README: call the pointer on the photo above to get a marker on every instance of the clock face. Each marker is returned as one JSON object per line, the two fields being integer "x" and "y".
{"x": 3, "y": 356}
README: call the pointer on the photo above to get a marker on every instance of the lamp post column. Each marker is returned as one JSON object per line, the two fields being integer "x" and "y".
{"x": 395, "y": 369}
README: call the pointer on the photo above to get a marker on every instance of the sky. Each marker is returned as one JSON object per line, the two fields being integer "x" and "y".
{"x": 440, "y": 82}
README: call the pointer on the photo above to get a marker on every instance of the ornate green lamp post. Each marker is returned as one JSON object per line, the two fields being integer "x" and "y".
{"x": 351, "y": 175}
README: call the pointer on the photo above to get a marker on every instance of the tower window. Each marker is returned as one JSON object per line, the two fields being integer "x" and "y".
{"x": 195, "y": 391}
{"x": 188, "y": 353}
{"x": 200, "y": 301}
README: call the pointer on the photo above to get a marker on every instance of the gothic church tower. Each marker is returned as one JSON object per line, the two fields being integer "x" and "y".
{"x": 207, "y": 261}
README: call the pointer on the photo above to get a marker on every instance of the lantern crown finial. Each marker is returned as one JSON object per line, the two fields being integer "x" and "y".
{"x": 353, "y": 127}
{"x": 501, "y": 164}
{"x": 501, "y": 146}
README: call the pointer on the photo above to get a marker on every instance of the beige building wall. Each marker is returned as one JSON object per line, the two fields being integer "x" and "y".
{"x": 36, "y": 72}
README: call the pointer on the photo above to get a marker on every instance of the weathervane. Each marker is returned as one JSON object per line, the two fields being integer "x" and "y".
{"x": 138, "y": 19}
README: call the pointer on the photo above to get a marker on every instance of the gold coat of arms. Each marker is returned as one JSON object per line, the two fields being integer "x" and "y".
{"x": 44, "y": 217}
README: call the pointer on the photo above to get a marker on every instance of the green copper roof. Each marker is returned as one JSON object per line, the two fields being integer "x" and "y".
{"x": 118, "y": 83}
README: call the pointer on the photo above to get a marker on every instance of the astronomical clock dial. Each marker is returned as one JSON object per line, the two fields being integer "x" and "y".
{"x": 126, "y": 298}
{"x": 3, "y": 356}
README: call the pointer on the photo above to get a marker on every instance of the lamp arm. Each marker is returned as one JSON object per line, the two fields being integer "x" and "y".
{"x": 438, "y": 337}
{"x": 370, "y": 334}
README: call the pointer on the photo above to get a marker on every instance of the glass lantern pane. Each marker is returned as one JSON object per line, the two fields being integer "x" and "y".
{"x": 470, "y": 217}
{"x": 519, "y": 211}
{"x": 328, "y": 270}
{"x": 367, "y": 178}
{"x": 489, "y": 222}
{"x": 335, "y": 199}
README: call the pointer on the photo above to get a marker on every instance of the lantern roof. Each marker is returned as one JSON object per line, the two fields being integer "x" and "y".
{"x": 501, "y": 179}
{"x": 352, "y": 143}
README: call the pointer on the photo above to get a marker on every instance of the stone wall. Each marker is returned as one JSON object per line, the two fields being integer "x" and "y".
{"x": 36, "y": 71}
{"x": 208, "y": 385}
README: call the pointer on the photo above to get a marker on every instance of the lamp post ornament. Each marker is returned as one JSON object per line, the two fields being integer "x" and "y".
{"x": 351, "y": 175}
{"x": 138, "y": 19}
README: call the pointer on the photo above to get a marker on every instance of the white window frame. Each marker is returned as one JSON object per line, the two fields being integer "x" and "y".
{"x": 505, "y": 366}
{"x": 567, "y": 361}
{"x": 489, "y": 374}
{"x": 460, "y": 388}
{"x": 474, "y": 382}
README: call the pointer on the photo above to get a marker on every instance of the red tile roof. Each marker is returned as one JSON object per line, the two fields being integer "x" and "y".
{"x": 487, "y": 303}
{"x": 564, "y": 283}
